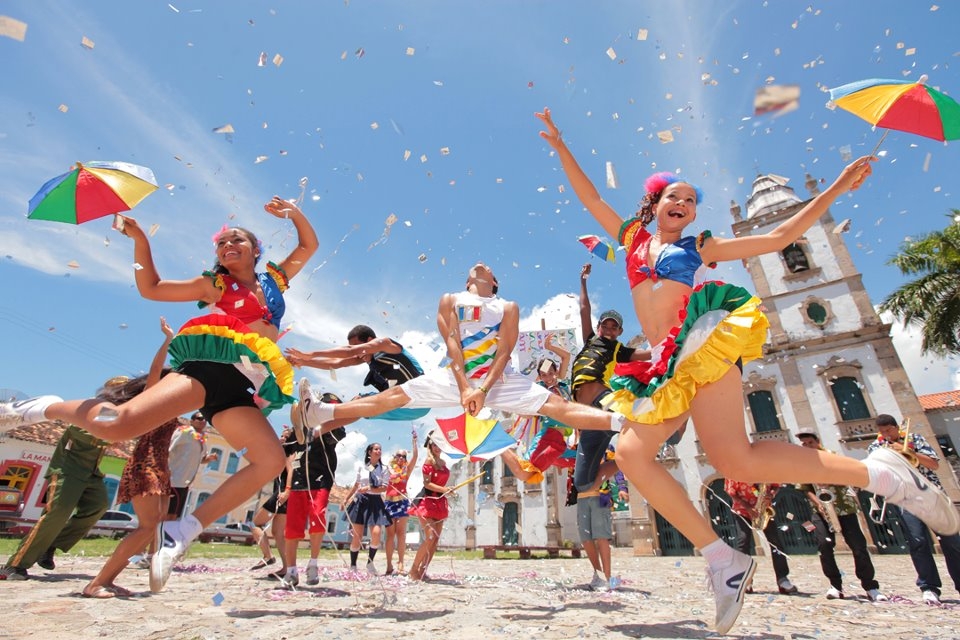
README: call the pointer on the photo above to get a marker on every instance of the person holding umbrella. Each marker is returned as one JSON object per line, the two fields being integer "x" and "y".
{"x": 701, "y": 333}
{"x": 218, "y": 358}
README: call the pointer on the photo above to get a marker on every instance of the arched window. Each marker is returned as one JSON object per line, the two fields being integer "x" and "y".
{"x": 795, "y": 258}
{"x": 849, "y": 398}
{"x": 487, "y": 472}
{"x": 214, "y": 465}
{"x": 764, "y": 411}
{"x": 233, "y": 462}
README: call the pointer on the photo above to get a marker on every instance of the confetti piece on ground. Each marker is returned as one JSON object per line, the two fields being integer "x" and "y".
{"x": 218, "y": 599}
{"x": 12, "y": 28}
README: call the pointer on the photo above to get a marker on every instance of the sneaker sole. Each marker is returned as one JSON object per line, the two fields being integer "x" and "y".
{"x": 732, "y": 614}
{"x": 298, "y": 411}
{"x": 905, "y": 471}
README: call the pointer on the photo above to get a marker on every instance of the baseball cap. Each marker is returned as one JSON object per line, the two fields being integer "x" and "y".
{"x": 611, "y": 315}
{"x": 808, "y": 433}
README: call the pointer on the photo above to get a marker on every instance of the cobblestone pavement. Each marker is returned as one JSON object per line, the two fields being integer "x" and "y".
{"x": 537, "y": 598}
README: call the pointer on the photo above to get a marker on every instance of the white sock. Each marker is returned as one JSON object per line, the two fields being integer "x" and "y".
{"x": 717, "y": 554}
{"x": 882, "y": 481}
{"x": 291, "y": 571}
{"x": 616, "y": 422}
{"x": 190, "y": 527}
{"x": 312, "y": 563}
{"x": 319, "y": 412}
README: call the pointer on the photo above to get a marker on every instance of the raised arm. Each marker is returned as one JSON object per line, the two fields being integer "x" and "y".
{"x": 414, "y": 454}
{"x": 724, "y": 249}
{"x": 156, "y": 367}
{"x": 313, "y": 359}
{"x": 307, "y": 242}
{"x": 586, "y": 322}
{"x": 148, "y": 280}
{"x": 609, "y": 219}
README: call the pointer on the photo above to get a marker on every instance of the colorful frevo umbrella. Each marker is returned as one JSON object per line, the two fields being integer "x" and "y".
{"x": 913, "y": 107}
{"x": 598, "y": 247}
{"x": 468, "y": 437}
{"x": 92, "y": 190}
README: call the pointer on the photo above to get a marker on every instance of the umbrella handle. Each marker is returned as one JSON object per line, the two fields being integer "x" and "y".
{"x": 879, "y": 142}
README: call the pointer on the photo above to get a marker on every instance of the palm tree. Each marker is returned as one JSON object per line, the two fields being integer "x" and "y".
{"x": 932, "y": 300}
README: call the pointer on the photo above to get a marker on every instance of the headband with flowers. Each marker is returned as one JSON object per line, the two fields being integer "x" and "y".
{"x": 216, "y": 238}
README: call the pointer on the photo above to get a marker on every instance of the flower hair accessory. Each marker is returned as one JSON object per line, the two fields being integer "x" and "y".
{"x": 659, "y": 181}
{"x": 216, "y": 236}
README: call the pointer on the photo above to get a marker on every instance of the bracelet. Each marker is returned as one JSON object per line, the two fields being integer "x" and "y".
{"x": 484, "y": 389}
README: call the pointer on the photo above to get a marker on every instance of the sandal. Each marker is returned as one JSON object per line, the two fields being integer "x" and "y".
{"x": 119, "y": 591}
{"x": 100, "y": 592}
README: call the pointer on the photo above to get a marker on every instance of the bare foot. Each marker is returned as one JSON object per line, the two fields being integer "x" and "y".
{"x": 97, "y": 591}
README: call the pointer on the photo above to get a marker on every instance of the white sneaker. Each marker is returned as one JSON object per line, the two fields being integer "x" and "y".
{"x": 372, "y": 570}
{"x": 728, "y": 584}
{"x": 835, "y": 594}
{"x": 291, "y": 579}
{"x": 173, "y": 544}
{"x": 24, "y": 412}
{"x": 917, "y": 495}
{"x": 875, "y": 596}
{"x": 313, "y": 574}
{"x": 598, "y": 582}
{"x": 298, "y": 412}
{"x": 931, "y": 597}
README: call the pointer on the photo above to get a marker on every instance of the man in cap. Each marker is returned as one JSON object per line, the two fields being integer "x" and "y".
{"x": 844, "y": 502}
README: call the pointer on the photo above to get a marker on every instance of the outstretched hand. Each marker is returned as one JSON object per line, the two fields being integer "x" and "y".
{"x": 552, "y": 135}
{"x": 295, "y": 357}
{"x": 130, "y": 227}
{"x": 167, "y": 331}
{"x": 585, "y": 271}
{"x": 280, "y": 208}
{"x": 855, "y": 173}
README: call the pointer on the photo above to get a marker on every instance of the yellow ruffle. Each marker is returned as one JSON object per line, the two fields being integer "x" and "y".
{"x": 739, "y": 336}
{"x": 528, "y": 466}
{"x": 265, "y": 349}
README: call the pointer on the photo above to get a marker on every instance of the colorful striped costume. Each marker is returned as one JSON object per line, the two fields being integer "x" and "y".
{"x": 719, "y": 326}
{"x": 224, "y": 337}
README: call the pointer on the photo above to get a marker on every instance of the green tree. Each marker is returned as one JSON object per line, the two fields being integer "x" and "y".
{"x": 931, "y": 300}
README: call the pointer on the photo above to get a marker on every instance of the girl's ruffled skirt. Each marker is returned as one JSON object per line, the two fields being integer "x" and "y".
{"x": 720, "y": 325}
{"x": 224, "y": 339}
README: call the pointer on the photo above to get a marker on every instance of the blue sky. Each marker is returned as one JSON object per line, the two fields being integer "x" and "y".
{"x": 424, "y": 111}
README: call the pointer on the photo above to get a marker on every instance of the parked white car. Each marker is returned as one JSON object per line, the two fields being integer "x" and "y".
{"x": 115, "y": 524}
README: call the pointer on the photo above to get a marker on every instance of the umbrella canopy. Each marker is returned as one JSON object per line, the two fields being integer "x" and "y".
{"x": 465, "y": 436}
{"x": 92, "y": 190}
{"x": 905, "y": 106}
{"x": 598, "y": 247}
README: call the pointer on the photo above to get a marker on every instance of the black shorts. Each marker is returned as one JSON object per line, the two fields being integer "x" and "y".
{"x": 224, "y": 385}
{"x": 271, "y": 505}
{"x": 178, "y": 501}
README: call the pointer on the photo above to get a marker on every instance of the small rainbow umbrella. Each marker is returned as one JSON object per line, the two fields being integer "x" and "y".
{"x": 598, "y": 247}
{"x": 92, "y": 190}
{"x": 913, "y": 107}
{"x": 468, "y": 437}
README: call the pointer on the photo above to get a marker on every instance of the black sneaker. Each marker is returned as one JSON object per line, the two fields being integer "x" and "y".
{"x": 13, "y": 573}
{"x": 46, "y": 560}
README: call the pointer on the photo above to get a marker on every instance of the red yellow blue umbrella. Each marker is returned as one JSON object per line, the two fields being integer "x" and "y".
{"x": 913, "y": 107}
{"x": 92, "y": 190}
{"x": 468, "y": 437}
{"x": 598, "y": 247}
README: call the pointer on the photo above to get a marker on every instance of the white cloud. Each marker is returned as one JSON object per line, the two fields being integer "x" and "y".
{"x": 927, "y": 373}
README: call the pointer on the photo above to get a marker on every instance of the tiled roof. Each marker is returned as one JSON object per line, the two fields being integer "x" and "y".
{"x": 942, "y": 400}
{"x": 49, "y": 433}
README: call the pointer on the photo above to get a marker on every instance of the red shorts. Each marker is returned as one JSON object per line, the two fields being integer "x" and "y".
{"x": 300, "y": 505}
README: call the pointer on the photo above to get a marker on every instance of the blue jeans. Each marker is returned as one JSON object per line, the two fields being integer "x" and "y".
{"x": 591, "y": 452}
{"x": 928, "y": 577}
